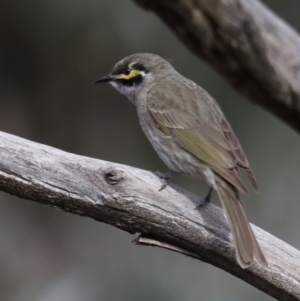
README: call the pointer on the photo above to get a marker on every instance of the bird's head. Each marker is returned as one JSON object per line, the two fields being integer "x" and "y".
{"x": 133, "y": 73}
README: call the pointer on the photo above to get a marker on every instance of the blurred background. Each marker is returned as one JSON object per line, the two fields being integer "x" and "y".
{"x": 50, "y": 53}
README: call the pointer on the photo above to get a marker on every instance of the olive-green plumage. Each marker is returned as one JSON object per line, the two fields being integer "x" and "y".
{"x": 190, "y": 133}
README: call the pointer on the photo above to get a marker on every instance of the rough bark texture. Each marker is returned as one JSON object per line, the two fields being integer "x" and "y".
{"x": 256, "y": 51}
{"x": 129, "y": 198}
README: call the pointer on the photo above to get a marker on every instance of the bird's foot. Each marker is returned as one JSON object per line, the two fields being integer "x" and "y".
{"x": 165, "y": 177}
{"x": 205, "y": 199}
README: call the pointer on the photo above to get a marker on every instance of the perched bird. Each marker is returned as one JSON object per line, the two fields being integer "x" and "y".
{"x": 191, "y": 135}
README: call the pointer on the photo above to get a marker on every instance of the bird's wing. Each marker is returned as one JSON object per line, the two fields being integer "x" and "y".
{"x": 192, "y": 125}
{"x": 239, "y": 153}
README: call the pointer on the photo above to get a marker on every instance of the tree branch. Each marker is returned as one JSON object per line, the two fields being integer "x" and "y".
{"x": 128, "y": 198}
{"x": 255, "y": 50}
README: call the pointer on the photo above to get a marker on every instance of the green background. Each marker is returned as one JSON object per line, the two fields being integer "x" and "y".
{"x": 50, "y": 53}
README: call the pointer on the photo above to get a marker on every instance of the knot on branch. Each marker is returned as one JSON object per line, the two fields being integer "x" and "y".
{"x": 113, "y": 176}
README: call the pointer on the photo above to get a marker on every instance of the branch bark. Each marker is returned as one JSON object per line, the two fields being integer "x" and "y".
{"x": 128, "y": 198}
{"x": 255, "y": 50}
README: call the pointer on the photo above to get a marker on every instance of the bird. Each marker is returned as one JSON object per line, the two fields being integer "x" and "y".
{"x": 190, "y": 133}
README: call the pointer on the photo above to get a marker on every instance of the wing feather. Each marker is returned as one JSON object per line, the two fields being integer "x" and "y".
{"x": 207, "y": 136}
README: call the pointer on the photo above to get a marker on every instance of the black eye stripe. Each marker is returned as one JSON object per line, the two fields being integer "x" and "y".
{"x": 131, "y": 82}
{"x": 140, "y": 67}
{"x": 127, "y": 68}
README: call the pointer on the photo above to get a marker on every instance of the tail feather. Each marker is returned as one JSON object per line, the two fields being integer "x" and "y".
{"x": 247, "y": 248}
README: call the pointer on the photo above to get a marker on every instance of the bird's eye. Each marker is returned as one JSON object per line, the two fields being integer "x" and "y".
{"x": 127, "y": 71}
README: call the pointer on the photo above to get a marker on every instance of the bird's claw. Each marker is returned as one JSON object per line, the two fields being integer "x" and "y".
{"x": 165, "y": 177}
{"x": 205, "y": 199}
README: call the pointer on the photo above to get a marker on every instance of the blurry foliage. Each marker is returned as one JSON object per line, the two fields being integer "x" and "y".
{"x": 50, "y": 53}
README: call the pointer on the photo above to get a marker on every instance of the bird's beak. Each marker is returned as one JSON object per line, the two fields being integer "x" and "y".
{"x": 105, "y": 79}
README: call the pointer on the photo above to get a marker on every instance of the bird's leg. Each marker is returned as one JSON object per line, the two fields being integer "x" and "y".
{"x": 165, "y": 177}
{"x": 206, "y": 199}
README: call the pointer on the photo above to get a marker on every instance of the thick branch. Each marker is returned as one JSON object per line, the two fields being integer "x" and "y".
{"x": 256, "y": 51}
{"x": 128, "y": 198}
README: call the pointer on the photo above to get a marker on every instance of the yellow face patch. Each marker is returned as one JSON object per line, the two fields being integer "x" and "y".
{"x": 133, "y": 73}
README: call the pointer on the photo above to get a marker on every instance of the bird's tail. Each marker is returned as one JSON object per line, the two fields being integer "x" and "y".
{"x": 247, "y": 248}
